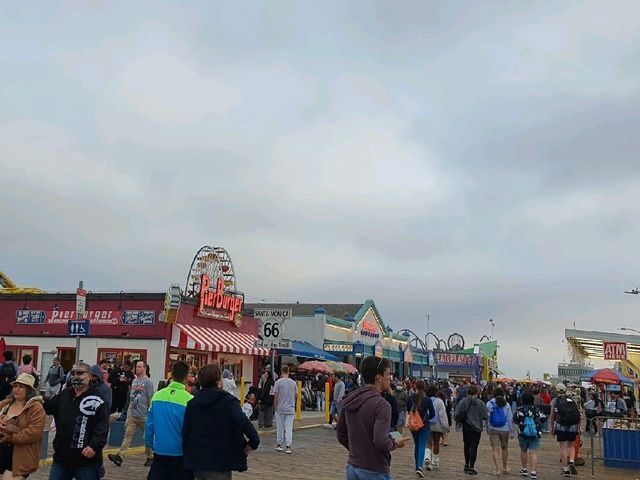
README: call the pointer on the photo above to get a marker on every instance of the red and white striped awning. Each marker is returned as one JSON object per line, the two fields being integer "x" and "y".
{"x": 212, "y": 340}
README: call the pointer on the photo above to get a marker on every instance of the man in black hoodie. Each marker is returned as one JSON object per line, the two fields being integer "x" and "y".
{"x": 82, "y": 423}
{"x": 214, "y": 430}
{"x": 363, "y": 427}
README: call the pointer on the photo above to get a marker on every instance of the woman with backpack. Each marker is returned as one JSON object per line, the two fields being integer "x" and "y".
{"x": 529, "y": 419}
{"x": 419, "y": 413}
{"x": 470, "y": 416}
{"x": 500, "y": 427}
{"x": 438, "y": 426}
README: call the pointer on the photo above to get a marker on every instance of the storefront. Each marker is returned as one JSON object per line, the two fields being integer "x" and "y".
{"x": 201, "y": 324}
{"x": 346, "y": 331}
{"x": 121, "y": 326}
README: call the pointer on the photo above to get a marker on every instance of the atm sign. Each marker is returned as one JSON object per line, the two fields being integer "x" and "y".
{"x": 615, "y": 351}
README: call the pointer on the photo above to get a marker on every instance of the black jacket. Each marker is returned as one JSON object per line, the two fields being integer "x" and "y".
{"x": 81, "y": 422}
{"x": 213, "y": 433}
{"x": 395, "y": 412}
{"x": 265, "y": 394}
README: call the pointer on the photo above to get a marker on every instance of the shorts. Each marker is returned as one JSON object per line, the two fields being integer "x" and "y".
{"x": 529, "y": 443}
{"x": 566, "y": 436}
{"x": 336, "y": 408}
{"x": 498, "y": 438}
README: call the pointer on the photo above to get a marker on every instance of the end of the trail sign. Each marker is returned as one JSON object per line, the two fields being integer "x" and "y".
{"x": 78, "y": 328}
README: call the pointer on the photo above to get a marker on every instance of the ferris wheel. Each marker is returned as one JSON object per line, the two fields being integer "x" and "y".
{"x": 216, "y": 263}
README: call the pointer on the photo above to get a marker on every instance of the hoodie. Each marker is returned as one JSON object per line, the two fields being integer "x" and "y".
{"x": 81, "y": 421}
{"x": 215, "y": 433}
{"x": 363, "y": 429}
{"x": 104, "y": 391}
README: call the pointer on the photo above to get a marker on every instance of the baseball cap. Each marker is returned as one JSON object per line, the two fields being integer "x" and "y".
{"x": 561, "y": 387}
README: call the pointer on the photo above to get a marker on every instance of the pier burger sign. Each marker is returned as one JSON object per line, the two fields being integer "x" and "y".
{"x": 212, "y": 282}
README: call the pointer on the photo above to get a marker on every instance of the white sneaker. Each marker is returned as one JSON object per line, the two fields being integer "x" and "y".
{"x": 279, "y": 448}
{"x": 288, "y": 450}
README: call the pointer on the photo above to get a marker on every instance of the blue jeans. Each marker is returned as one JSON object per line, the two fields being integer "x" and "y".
{"x": 355, "y": 473}
{"x": 60, "y": 471}
{"x": 420, "y": 444}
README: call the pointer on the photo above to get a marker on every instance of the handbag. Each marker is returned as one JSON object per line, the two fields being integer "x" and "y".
{"x": 414, "y": 421}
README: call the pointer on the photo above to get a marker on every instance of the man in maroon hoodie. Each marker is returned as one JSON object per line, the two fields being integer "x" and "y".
{"x": 363, "y": 427}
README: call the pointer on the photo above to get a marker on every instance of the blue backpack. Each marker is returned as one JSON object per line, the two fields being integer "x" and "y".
{"x": 434, "y": 420}
{"x": 530, "y": 430}
{"x": 497, "y": 418}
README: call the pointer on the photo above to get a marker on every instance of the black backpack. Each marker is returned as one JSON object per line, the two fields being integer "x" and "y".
{"x": 7, "y": 373}
{"x": 567, "y": 412}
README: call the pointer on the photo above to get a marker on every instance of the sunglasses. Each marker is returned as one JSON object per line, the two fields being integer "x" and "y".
{"x": 78, "y": 373}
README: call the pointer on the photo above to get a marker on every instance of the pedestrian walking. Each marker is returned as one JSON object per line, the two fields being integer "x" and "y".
{"x": 265, "y": 415}
{"x": 140, "y": 396}
{"x": 285, "y": 392}
{"x": 500, "y": 428}
{"x": 228, "y": 383}
{"x": 470, "y": 415}
{"x": 529, "y": 419}
{"x": 339, "y": 390}
{"x": 22, "y": 420}
{"x": 82, "y": 426}
{"x": 363, "y": 428}
{"x": 26, "y": 366}
{"x": 401, "y": 395}
{"x": 565, "y": 425}
{"x": 121, "y": 379}
{"x": 439, "y": 427}
{"x": 319, "y": 386}
{"x": 420, "y": 405}
{"x": 390, "y": 397}
{"x": 163, "y": 426}
{"x": 54, "y": 379}
{"x": 214, "y": 430}
{"x": 593, "y": 408}
{"x": 448, "y": 403}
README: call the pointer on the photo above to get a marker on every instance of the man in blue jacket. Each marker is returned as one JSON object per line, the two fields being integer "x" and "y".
{"x": 214, "y": 431}
{"x": 163, "y": 427}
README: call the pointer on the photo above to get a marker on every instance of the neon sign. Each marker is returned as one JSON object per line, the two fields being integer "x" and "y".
{"x": 219, "y": 303}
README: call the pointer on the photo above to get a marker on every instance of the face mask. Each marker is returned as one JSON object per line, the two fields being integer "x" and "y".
{"x": 77, "y": 382}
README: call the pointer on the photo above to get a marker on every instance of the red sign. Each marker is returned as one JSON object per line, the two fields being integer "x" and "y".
{"x": 615, "y": 351}
{"x": 219, "y": 303}
{"x": 96, "y": 317}
{"x": 369, "y": 329}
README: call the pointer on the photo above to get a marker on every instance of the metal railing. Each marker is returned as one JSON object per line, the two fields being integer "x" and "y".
{"x": 614, "y": 442}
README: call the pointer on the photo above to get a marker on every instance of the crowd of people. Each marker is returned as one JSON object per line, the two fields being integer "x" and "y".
{"x": 201, "y": 434}
{"x": 196, "y": 428}
{"x": 368, "y": 416}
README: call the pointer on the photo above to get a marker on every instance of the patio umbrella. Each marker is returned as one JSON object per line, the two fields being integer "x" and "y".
{"x": 349, "y": 368}
{"x": 337, "y": 367}
{"x": 316, "y": 366}
{"x": 606, "y": 376}
{"x": 526, "y": 380}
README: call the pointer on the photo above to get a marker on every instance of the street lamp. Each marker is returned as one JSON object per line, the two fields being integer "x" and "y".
{"x": 624, "y": 329}
{"x": 493, "y": 325}
{"x": 428, "y": 330}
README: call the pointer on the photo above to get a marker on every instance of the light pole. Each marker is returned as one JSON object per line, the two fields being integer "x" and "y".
{"x": 428, "y": 330}
{"x": 625, "y": 329}
{"x": 493, "y": 325}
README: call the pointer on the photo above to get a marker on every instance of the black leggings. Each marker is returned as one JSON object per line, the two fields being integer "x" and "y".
{"x": 471, "y": 439}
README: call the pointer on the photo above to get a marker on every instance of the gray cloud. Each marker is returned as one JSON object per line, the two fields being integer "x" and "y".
{"x": 466, "y": 161}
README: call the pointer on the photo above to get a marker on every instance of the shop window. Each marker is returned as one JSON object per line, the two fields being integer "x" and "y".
{"x": 20, "y": 351}
{"x": 119, "y": 355}
{"x": 190, "y": 358}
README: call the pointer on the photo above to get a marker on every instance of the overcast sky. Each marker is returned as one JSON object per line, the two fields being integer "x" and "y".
{"x": 463, "y": 160}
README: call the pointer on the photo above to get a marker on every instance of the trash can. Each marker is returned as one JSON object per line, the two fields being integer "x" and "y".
{"x": 116, "y": 435}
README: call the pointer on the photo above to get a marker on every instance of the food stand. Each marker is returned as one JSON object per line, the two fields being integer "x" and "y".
{"x": 620, "y": 435}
